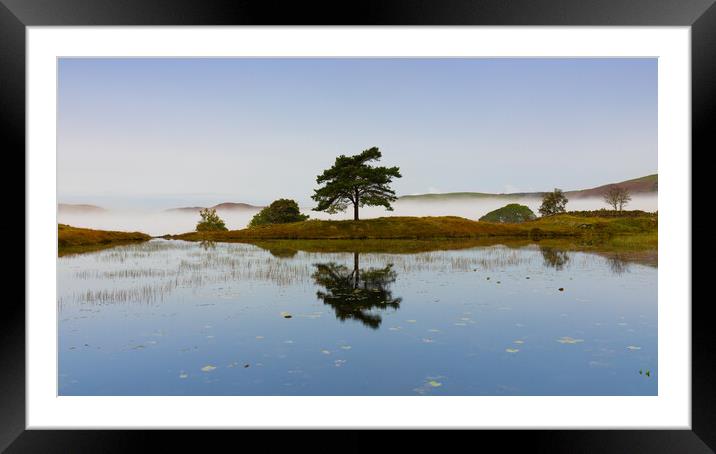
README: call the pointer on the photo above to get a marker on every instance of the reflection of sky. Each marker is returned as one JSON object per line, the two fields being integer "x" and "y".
{"x": 254, "y": 130}
{"x": 452, "y": 324}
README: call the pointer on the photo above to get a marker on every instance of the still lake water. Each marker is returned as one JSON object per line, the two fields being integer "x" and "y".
{"x": 180, "y": 318}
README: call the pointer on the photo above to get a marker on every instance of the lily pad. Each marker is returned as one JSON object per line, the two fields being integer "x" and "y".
{"x": 569, "y": 340}
{"x": 435, "y": 383}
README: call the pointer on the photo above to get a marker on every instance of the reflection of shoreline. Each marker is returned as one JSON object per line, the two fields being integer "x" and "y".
{"x": 353, "y": 294}
{"x": 645, "y": 255}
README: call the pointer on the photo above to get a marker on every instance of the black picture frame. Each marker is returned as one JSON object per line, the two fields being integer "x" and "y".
{"x": 700, "y": 15}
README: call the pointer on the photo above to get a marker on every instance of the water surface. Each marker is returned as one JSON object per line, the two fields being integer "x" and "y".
{"x": 181, "y": 318}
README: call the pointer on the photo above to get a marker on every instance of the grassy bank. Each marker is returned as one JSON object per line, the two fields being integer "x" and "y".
{"x": 430, "y": 228}
{"x": 71, "y": 239}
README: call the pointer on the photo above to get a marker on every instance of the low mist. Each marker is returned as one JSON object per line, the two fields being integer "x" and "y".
{"x": 158, "y": 223}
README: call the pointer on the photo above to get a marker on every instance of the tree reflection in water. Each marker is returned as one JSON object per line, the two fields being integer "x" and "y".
{"x": 618, "y": 264}
{"x": 556, "y": 258}
{"x": 353, "y": 294}
{"x": 208, "y": 245}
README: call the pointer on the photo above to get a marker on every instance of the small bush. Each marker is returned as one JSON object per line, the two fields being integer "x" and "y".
{"x": 281, "y": 211}
{"x": 210, "y": 221}
{"x": 512, "y": 213}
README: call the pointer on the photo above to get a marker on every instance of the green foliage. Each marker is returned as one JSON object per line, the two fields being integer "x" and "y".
{"x": 513, "y": 212}
{"x": 352, "y": 181}
{"x": 281, "y": 211}
{"x": 553, "y": 203}
{"x": 210, "y": 221}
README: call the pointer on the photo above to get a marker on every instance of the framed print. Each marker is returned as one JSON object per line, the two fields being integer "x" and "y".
{"x": 434, "y": 218}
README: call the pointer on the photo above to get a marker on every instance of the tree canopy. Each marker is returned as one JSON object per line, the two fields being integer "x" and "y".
{"x": 281, "y": 211}
{"x": 210, "y": 221}
{"x": 553, "y": 203}
{"x": 351, "y": 180}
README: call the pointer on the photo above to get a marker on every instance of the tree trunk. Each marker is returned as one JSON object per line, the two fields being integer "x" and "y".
{"x": 355, "y": 208}
{"x": 356, "y": 270}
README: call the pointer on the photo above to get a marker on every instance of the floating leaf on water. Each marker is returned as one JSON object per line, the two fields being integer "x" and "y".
{"x": 633, "y": 347}
{"x": 208, "y": 368}
{"x": 569, "y": 340}
{"x": 512, "y": 350}
{"x": 435, "y": 383}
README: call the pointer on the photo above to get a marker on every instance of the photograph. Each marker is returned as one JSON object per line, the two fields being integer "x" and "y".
{"x": 357, "y": 226}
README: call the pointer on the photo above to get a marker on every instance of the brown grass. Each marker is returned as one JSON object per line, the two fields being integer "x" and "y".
{"x": 442, "y": 227}
{"x": 69, "y": 238}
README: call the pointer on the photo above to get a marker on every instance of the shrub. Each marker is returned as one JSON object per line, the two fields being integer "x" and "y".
{"x": 281, "y": 211}
{"x": 512, "y": 213}
{"x": 210, "y": 221}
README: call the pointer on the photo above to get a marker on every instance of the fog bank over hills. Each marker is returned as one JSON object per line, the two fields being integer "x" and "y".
{"x": 471, "y": 205}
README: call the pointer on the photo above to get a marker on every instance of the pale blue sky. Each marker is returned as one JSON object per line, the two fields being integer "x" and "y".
{"x": 166, "y": 132}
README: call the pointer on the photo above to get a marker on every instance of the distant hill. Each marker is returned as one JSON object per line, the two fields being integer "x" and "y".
{"x": 647, "y": 184}
{"x": 643, "y": 185}
{"x": 226, "y": 206}
{"x": 68, "y": 208}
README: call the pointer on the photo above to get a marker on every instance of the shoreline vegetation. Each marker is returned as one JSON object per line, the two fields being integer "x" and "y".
{"x": 605, "y": 231}
{"x": 76, "y": 239}
{"x": 439, "y": 228}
